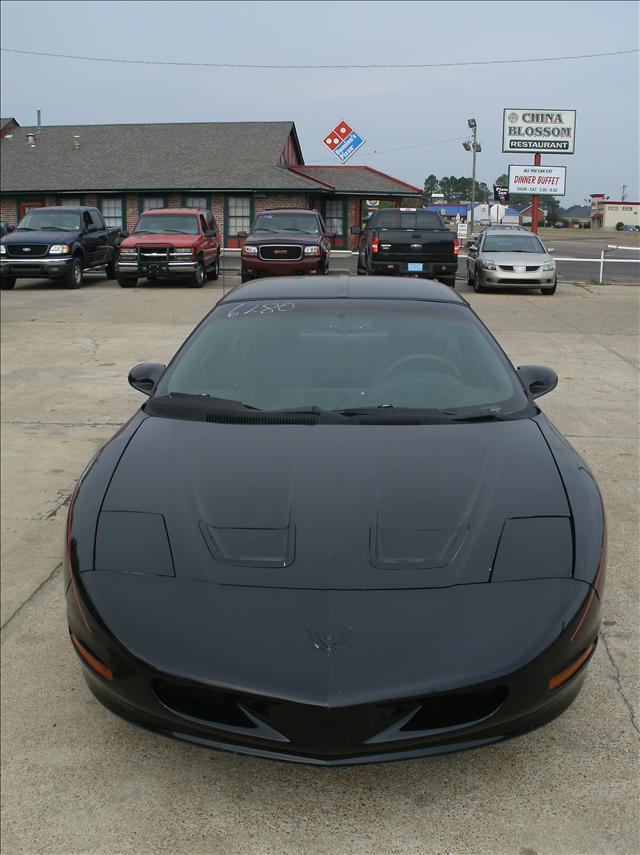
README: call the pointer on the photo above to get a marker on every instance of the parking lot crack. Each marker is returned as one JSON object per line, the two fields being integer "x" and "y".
{"x": 32, "y": 596}
{"x": 618, "y": 682}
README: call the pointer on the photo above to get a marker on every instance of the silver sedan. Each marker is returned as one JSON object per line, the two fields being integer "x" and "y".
{"x": 510, "y": 260}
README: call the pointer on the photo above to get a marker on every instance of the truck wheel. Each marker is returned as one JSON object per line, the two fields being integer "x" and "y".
{"x": 215, "y": 270}
{"x": 361, "y": 269}
{"x": 450, "y": 281}
{"x": 7, "y": 284}
{"x": 128, "y": 282}
{"x": 73, "y": 277}
{"x": 246, "y": 277}
{"x": 198, "y": 278}
{"x": 110, "y": 269}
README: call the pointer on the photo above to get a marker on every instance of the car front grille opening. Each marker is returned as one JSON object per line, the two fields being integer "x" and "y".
{"x": 203, "y": 703}
{"x": 456, "y": 709}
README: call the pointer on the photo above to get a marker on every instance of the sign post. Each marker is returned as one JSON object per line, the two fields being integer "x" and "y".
{"x": 537, "y": 160}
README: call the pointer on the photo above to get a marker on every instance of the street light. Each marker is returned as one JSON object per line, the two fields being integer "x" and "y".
{"x": 474, "y": 146}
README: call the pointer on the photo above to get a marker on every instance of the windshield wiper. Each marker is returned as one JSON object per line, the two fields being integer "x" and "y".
{"x": 205, "y": 398}
{"x": 422, "y": 413}
{"x": 484, "y": 414}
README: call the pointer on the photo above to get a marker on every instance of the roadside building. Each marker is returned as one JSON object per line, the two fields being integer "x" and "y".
{"x": 579, "y": 215}
{"x": 606, "y": 214}
{"x": 235, "y": 169}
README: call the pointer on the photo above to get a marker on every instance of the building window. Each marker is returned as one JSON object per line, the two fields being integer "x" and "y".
{"x": 70, "y": 202}
{"x": 148, "y": 203}
{"x": 334, "y": 216}
{"x": 111, "y": 209}
{"x": 626, "y": 207}
{"x": 199, "y": 202}
{"x": 613, "y": 207}
{"x": 239, "y": 215}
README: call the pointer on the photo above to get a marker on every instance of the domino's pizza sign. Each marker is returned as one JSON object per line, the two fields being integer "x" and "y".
{"x": 343, "y": 141}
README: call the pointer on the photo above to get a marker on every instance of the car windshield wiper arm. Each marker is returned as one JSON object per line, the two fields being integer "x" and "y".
{"x": 485, "y": 414}
{"x": 210, "y": 401}
{"x": 423, "y": 413}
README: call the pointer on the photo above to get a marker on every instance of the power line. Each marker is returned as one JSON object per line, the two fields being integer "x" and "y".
{"x": 316, "y": 67}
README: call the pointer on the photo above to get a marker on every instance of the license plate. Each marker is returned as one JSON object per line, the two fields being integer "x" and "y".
{"x": 413, "y": 267}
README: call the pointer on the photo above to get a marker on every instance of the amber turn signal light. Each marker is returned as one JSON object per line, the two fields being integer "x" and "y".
{"x": 91, "y": 660}
{"x": 570, "y": 670}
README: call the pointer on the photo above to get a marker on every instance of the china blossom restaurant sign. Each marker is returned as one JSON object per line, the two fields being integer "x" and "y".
{"x": 539, "y": 131}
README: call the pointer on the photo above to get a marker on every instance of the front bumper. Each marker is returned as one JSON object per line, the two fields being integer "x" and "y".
{"x": 168, "y": 270}
{"x": 36, "y": 268}
{"x": 254, "y": 266}
{"x": 506, "y": 279}
{"x": 385, "y": 695}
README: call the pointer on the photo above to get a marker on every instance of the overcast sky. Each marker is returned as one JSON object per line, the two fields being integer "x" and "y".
{"x": 390, "y": 108}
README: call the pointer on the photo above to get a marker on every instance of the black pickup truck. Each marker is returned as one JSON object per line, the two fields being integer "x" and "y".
{"x": 408, "y": 242}
{"x": 58, "y": 243}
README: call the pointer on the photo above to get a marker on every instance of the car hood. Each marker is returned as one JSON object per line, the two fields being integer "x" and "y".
{"x": 517, "y": 258}
{"x": 328, "y": 506}
{"x": 159, "y": 240}
{"x": 40, "y": 237}
{"x": 284, "y": 237}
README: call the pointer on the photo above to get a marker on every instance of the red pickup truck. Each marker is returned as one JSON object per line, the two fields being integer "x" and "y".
{"x": 171, "y": 243}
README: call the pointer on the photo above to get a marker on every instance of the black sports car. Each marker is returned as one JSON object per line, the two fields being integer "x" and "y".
{"x": 339, "y": 531}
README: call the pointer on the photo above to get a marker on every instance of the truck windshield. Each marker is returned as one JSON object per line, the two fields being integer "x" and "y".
{"x": 394, "y": 218}
{"x": 165, "y": 224}
{"x": 305, "y": 223}
{"x": 60, "y": 219}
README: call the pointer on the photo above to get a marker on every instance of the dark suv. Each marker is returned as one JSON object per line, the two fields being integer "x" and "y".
{"x": 283, "y": 242}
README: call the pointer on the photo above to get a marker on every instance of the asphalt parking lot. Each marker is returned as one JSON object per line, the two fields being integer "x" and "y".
{"x": 77, "y": 779}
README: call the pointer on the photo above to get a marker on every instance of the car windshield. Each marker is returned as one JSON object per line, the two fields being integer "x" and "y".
{"x": 165, "y": 224}
{"x": 60, "y": 219}
{"x": 512, "y": 243}
{"x": 287, "y": 222}
{"x": 341, "y": 354}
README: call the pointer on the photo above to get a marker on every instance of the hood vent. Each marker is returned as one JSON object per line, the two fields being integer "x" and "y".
{"x": 261, "y": 420}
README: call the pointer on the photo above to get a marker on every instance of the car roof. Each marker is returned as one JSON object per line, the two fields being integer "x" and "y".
{"x": 344, "y": 286}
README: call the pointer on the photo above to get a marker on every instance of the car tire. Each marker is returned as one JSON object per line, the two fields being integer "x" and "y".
{"x": 199, "y": 276}
{"x": 361, "y": 269}
{"x": 215, "y": 270}
{"x": 127, "y": 282}
{"x": 449, "y": 281}
{"x": 73, "y": 277}
{"x": 325, "y": 269}
{"x": 245, "y": 277}
{"x": 469, "y": 276}
{"x": 477, "y": 287}
{"x": 549, "y": 291}
{"x": 7, "y": 284}
{"x": 110, "y": 269}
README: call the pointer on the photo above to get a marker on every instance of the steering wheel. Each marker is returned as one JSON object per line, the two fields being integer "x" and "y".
{"x": 449, "y": 369}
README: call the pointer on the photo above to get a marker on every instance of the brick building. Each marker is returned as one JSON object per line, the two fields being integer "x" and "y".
{"x": 235, "y": 169}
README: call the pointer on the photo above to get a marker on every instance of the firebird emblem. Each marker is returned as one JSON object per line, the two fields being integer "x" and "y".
{"x": 328, "y": 643}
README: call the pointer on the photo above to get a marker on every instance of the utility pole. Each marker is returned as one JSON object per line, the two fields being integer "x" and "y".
{"x": 474, "y": 146}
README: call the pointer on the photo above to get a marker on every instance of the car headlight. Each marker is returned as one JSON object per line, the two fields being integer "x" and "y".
{"x": 549, "y": 265}
{"x": 59, "y": 249}
{"x": 3, "y": 249}
{"x": 489, "y": 265}
{"x": 249, "y": 250}
{"x": 312, "y": 250}
{"x": 128, "y": 252}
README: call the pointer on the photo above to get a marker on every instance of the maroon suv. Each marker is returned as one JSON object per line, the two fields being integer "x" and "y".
{"x": 286, "y": 242}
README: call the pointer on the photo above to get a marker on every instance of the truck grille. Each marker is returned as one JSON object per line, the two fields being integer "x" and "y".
{"x": 280, "y": 252}
{"x": 26, "y": 250}
{"x": 154, "y": 253}
{"x": 509, "y": 268}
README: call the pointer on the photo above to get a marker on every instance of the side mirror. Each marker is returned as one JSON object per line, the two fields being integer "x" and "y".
{"x": 537, "y": 379}
{"x": 144, "y": 377}
{"x": 91, "y": 227}
{"x": 124, "y": 234}
{"x": 11, "y": 228}
{"x": 210, "y": 233}
{"x": 243, "y": 235}
{"x": 356, "y": 230}
{"x": 551, "y": 249}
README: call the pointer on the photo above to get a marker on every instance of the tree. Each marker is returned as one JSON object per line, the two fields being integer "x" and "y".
{"x": 430, "y": 187}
